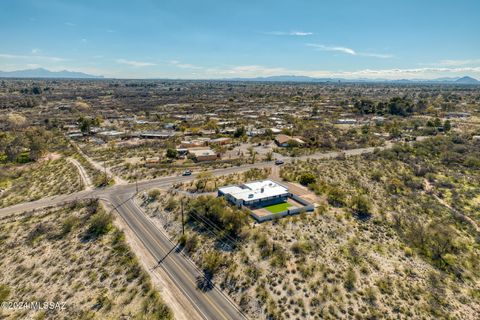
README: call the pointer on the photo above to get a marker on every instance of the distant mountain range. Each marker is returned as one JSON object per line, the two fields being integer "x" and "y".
{"x": 65, "y": 74}
{"x": 292, "y": 78}
{"x": 44, "y": 73}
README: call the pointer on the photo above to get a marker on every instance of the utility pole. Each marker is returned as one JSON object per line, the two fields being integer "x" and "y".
{"x": 136, "y": 184}
{"x": 183, "y": 221}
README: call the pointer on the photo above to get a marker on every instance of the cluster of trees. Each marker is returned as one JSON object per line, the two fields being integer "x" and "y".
{"x": 86, "y": 123}
{"x": 395, "y": 106}
{"x": 436, "y": 240}
{"x": 34, "y": 140}
{"x": 450, "y": 150}
{"x": 216, "y": 211}
{"x": 34, "y": 90}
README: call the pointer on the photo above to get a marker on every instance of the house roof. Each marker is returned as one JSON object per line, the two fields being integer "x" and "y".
{"x": 255, "y": 190}
{"x": 202, "y": 152}
{"x": 283, "y": 138}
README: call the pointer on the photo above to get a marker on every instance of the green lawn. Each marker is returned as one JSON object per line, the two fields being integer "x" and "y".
{"x": 276, "y": 208}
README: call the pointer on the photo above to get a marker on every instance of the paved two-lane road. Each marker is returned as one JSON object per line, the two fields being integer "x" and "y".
{"x": 210, "y": 304}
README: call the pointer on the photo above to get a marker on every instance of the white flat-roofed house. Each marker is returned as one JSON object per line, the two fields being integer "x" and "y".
{"x": 346, "y": 121}
{"x": 111, "y": 134}
{"x": 258, "y": 193}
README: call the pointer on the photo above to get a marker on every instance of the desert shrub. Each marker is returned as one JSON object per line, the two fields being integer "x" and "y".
{"x": 37, "y": 231}
{"x": 155, "y": 308}
{"x": 171, "y": 205}
{"x": 99, "y": 223}
{"x": 102, "y": 180}
{"x": 212, "y": 261}
{"x": 306, "y": 270}
{"x": 279, "y": 257}
{"x": 361, "y": 205}
{"x": 350, "y": 279}
{"x": 306, "y": 178}
{"x": 376, "y": 175}
{"x": 68, "y": 224}
{"x": 262, "y": 294}
{"x": 472, "y": 161}
{"x": 385, "y": 285}
{"x": 301, "y": 247}
{"x": 153, "y": 194}
{"x": 4, "y": 292}
{"x": 102, "y": 302}
{"x": 371, "y": 295}
{"x": 189, "y": 243}
{"x": 253, "y": 272}
{"x": 336, "y": 196}
{"x": 264, "y": 246}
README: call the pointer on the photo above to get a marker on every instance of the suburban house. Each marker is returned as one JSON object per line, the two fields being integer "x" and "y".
{"x": 265, "y": 192}
{"x": 203, "y": 154}
{"x": 451, "y": 115}
{"x": 157, "y": 134}
{"x": 283, "y": 140}
{"x": 220, "y": 141}
{"x": 346, "y": 121}
{"x": 265, "y": 199}
{"x": 193, "y": 143}
{"x": 111, "y": 134}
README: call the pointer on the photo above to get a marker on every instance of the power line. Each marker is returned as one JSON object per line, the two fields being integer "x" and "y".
{"x": 210, "y": 223}
{"x": 230, "y": 244}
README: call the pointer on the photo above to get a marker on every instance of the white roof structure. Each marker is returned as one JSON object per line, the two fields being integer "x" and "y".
{"x": 255, "y": 190}
{"x": 202, "y": 152}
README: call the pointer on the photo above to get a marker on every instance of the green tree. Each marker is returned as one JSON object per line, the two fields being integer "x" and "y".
{"x": 15, "y": 147}
{"x": 239, "y": 132}
{"x": 447, "y": 126}
{"x": 85, "y": 124}
{"x": 172, "y": 153}
{"x": 307, "y": 178}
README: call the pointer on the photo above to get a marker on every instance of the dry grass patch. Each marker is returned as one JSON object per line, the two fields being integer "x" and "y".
{"x": 74, "y": 255}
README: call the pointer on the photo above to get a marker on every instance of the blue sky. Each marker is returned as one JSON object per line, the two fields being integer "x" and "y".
{"x": 243, "y": 38}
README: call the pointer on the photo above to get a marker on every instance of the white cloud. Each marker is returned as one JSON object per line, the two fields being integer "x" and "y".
{"x": 453, "y": 63}
{"x": 35, "y": 50}
{"x": 349, "y": 51}
{"x": 376, "y": 55}
{"x": 394, "y": 73}
{"x": 31, "y": 57}
{"x": 322, "y": 47}
{"x": 70, "y": 24}
{"x": 135, "y": 63}
{"x": 184, "y": 65}
{"x": 291, "y": 33}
